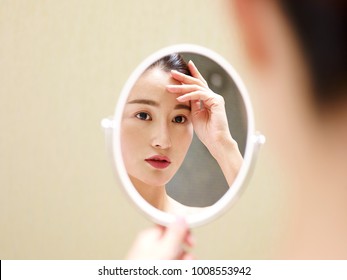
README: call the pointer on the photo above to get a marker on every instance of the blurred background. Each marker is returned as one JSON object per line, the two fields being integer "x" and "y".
{"x": 62, "y": 66}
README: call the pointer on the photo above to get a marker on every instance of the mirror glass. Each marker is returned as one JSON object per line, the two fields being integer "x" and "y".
{"x": 182, "y": 136}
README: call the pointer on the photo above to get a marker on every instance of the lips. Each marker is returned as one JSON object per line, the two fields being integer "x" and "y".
{"x": 158, "y": 161}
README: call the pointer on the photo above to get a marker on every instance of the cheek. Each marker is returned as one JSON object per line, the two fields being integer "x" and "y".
{"x": 183, "y": 140}
{"x": 133, "y": 132}
{"x": 127, "y": 136}
{"x": 131, "y": 143}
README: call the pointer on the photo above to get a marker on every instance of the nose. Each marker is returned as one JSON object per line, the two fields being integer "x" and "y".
{"x": 161, "y": 136}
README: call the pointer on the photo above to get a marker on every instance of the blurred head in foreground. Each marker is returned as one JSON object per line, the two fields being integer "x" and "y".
{"x": 297, "y": 58}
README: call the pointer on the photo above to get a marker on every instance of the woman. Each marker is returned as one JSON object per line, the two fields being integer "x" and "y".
{"x": 297, "y": 56}
{"x": 168, "y": 102}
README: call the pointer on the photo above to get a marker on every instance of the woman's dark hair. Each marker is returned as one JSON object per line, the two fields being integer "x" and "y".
{"x": 321, "y": 26}
{"x": 172, "y": 62}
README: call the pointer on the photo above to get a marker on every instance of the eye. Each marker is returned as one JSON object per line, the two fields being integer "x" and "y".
{"x": 143, "y": 116}
{"x": 179, "y": 119}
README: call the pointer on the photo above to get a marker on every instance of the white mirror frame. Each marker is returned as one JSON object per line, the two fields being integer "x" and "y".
{"x": 253, "y": 142}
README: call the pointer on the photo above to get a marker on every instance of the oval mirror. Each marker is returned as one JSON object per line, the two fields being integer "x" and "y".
{"x": 182, "y": 137}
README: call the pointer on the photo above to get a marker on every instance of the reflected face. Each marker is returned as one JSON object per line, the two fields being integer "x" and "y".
{"x": 156, "y": 130}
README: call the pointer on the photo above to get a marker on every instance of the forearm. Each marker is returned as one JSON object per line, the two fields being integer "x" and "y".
{"x": 229, "y": 158}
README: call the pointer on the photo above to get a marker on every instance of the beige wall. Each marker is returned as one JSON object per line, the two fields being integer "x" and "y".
{"x": 62, "y": 65}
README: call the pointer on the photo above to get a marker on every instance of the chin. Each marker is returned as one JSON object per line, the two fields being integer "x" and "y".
{"x": 157, "y": 180}
{"x": 150, "y": 177}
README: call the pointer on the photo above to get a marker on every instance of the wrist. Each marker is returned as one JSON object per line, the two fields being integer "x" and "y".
{"x": 223, "y": 143}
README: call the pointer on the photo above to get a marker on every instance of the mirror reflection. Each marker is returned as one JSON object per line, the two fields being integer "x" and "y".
{"x": 183, "y": 133}
{"x": 181, "y": 149}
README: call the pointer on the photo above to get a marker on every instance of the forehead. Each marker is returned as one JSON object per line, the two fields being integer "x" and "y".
{"x": 152, "y": 85}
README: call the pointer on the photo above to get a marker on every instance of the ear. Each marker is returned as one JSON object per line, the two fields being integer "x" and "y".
{"x": 256, "y": 20}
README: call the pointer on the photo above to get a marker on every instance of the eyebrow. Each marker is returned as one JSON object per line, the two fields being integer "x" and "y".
{"x": 156, "y": 104}
{"x": 182, "y": 106}
{"x": 144, "y": 101}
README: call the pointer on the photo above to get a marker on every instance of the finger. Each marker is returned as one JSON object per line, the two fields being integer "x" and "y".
{"x": 209, "y": 100}
{"x": 184, "y": 255}
{"x": 161, "y": 230}
{"x": 183, "y": 88}
{"x": 176, "y": 233}
{"x": 187, "y": 256}
{"x": 196, "y": 95}
{"x": 190, "y": 240}
{"x": 185, "y": 79}
{"x": 197, "y": 106}
{"x": 195, "y": 72}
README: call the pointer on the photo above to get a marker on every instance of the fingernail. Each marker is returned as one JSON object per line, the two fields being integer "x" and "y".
{"x": 180, "y": 98}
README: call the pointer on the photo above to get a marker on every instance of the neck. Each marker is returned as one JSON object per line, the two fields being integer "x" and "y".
{"x": 154, "y": 195}
{"x": 319, "y": 224}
